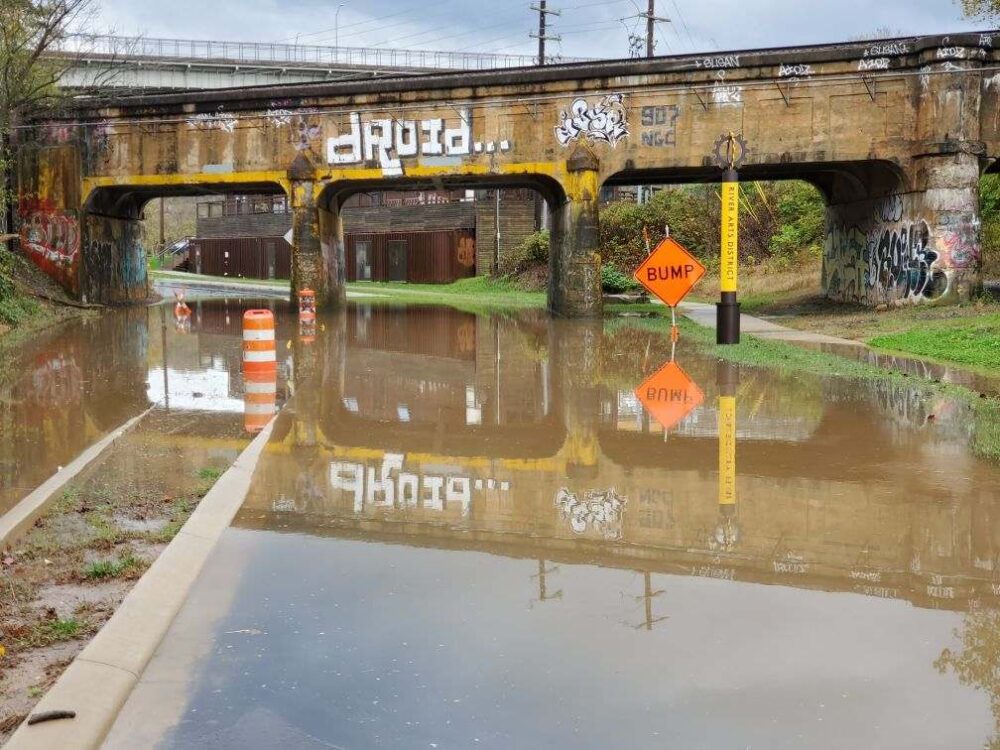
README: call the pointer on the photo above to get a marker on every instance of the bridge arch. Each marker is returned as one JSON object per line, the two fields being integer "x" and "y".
{"x": 112, "y": 267}
{"x": 320, "y": 260}
{"x": 886, "y": 240}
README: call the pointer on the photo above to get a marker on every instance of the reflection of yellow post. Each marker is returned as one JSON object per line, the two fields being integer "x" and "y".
{"x": 728, "y": 376}
{"x": 727, "y": 451}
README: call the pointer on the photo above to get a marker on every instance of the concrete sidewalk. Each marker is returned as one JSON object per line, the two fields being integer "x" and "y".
{"x": 704, "y": 314}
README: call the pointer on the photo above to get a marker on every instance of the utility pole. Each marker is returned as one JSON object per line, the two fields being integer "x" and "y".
{"x": 651, "y": 20}
{"x": 542, "y": 36}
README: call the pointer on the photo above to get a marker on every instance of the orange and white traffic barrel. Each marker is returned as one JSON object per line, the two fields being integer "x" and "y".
{"x": 260, "y": 369}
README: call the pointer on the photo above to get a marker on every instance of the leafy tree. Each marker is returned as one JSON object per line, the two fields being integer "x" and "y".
{"x": 30, "y": 33}
{"x": 779, "y": 221}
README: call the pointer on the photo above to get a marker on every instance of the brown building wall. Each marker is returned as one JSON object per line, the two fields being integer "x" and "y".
{"x": 517, "y": 223}
{"x": 420, "y": 257}
{"x": 420, "y": 218}
{"x": 249, "y": 257}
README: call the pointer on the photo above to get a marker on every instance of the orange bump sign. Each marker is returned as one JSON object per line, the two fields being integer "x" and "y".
{"x": 670, "y": 395}
{"x": 670, "y": 272}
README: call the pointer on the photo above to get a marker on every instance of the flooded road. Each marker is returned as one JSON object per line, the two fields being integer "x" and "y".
{"x": 75, "y": 383}
{"x": 467, "y": 531}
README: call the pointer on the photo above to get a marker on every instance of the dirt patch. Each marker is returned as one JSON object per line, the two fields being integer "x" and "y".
{"x": 68, "y": 575}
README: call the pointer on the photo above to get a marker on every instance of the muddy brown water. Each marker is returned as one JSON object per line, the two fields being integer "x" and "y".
{"x": 71, "y": 385}
{"x": 466, "y": 531}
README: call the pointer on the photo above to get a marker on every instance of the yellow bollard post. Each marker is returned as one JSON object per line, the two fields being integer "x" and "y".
{"x": 728, "y": 316}
{"x": 730, "y": 153}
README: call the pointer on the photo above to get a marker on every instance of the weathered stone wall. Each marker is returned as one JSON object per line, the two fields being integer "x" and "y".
{"x": 925, "y": 105}
{"x": 114, "y": 261}
{"x": 908, "y": 247}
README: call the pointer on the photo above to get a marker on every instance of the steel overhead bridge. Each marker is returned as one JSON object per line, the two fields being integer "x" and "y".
{"x": 163, "y": 64}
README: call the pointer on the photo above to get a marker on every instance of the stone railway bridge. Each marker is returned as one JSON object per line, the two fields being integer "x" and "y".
{"x": 894, "y": 133}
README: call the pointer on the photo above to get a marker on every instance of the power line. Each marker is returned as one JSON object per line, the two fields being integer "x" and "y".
{"x": 355, "y": 24}
{"x": 687, "y": 31}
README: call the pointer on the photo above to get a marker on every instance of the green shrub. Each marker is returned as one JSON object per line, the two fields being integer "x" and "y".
{"x": 614, "y": 281}
{"x": 531, "y": 253}
{"x": 14, "y": 306}
{"x": 778, "y": 220}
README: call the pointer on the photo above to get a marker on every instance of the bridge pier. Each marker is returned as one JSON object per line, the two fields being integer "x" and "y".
{"x": 575, "y": 256}
{"x": 112, "y": 268}
{"x": 317, "y": 246}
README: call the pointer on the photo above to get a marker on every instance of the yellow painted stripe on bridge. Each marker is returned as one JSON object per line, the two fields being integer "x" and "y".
{"x": 179, "y": 179}
{"x": 367, "y": 174}
{"x": 280, "y": 178}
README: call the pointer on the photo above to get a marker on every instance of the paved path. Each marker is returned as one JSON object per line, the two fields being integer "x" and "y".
{"x": 704, "y": 314}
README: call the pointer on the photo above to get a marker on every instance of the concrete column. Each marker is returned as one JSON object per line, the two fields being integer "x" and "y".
{"x": 113, "y": 266}
{"x": 947, "y": 165}
{"x": 309, "y": 267}
{"x": 897, "y": 238}
{"x": 949, "y": 203}
{"x": 332, "y": 248}
{"x": 575, "y": 256}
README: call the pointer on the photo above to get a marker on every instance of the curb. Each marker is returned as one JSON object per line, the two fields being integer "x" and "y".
{"x": 16, "y": 521}
{"x": 101, "y": 678}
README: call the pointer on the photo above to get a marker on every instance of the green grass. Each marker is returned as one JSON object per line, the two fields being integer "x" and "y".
{"x": 477, "y": 294}
{"x": 64, "y": 630}
{"x": 47, "y": 632}
{"x": 184, "y": 276}
{"x": 102, "y": 569}
{"x": 973, "y": 341}
{"x": 209, "y": 474}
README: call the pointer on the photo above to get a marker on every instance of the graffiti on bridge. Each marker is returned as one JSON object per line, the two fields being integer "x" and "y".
{"x": 887, "y": 257}
{"x": 51, "y": 238}
{"x": 605, "y": 122}
{"x": 114, "y": 259}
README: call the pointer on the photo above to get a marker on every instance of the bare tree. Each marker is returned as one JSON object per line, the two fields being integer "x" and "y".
{"x": 30, "y": 32}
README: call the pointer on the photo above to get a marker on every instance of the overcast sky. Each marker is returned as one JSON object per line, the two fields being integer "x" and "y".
{"x": 588, "y": 28}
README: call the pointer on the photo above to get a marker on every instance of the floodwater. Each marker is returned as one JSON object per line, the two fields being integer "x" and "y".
{"x": 73, "y": 384}
{"x": 467, "y": 532}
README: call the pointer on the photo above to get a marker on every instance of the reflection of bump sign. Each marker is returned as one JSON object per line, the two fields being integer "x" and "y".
{"x": 670, "y": 395}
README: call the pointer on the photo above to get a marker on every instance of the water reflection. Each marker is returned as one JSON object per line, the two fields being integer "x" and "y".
{"x": 519, "y": 433}
{"x": 64, "y": 390}
{"x": 469, "y": 531}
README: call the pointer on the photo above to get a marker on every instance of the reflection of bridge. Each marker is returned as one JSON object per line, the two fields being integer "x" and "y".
{"x": 844, "y": 507}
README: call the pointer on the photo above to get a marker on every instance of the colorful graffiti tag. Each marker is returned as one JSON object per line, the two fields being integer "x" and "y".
{"x": 886, "y": 257}
{"x": 51, "y": 238}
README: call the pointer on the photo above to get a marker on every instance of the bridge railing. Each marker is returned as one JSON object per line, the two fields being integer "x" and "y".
{"x": 267, "y": 53}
